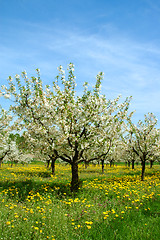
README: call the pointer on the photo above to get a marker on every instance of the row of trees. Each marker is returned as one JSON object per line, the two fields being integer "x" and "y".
{"x": 56, "y": 123}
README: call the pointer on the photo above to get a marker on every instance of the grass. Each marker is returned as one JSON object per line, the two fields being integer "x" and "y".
{"x": 116, "y": 205}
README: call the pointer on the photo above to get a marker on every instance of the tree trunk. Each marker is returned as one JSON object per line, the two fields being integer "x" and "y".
{"x": 48, "y": 161}
{"x": 53, "y": 165}
{"x": 75, "y": 178}
{"x": 111, "y": 163}
{"x": 143, "y": 170}
{"x": 133, "y": 163}
{"x": 151, "y": 163}
{"x": 128, "y": 163}
{"x": 102, "y": 161}
{"x": 1, "y": 163}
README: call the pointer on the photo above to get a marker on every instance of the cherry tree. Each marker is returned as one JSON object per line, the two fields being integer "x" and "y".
{"x": 143, "y": 139}
{"x": 13, "y": 154}
{"x": 40, "y": 148}
{"x": 5, "y": 119}
{"x": 70, "y": 126}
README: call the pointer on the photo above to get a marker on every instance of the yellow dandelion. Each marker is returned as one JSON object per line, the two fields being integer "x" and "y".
{"x": 88, "y": 226}
{"x": 8, "y": 222}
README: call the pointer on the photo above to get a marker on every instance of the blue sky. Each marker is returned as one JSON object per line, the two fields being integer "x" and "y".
{"x": 119, "y": 37}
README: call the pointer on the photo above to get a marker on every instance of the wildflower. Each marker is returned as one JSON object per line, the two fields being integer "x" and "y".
{"x": 113, "y": 211}
{"x": 8, "y": 222}
{"x": 89, "y": 227}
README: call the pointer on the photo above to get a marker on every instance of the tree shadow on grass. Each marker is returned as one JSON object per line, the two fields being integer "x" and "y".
{"x": 20, "y": 190}
{"x": 43, "y": 174}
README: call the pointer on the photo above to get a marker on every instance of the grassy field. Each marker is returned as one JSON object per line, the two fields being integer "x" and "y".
{"x": 116, "y": 205}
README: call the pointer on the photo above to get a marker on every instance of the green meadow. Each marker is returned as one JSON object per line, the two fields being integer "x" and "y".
{"x": 34, "y": 204}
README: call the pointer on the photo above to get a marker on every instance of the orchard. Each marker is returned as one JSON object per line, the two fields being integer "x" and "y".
{"x": 56, "y": 123}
